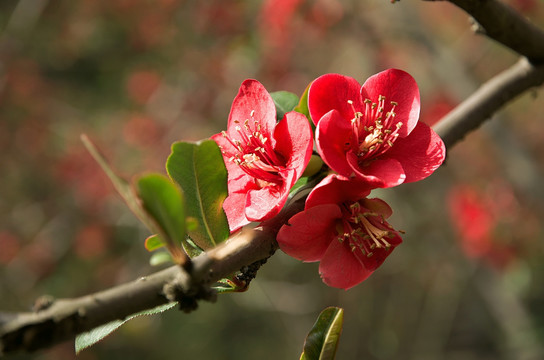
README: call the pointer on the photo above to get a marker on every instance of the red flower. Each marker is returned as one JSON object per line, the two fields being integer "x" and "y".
{"x": 486, "y": 223}
{"x": 372, "y": 132}
{"x": 343, "y": 229}
{"x": 263, "y": 159}
{"x": 473, "y": 220}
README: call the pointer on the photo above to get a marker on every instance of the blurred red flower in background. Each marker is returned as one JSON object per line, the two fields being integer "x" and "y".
{"x": 91, "y": 241}
{"x": 10, "y": 246}
{"x": 472, "y": 219}
{"x": 372, "y": 132}
{"x": 78, "y": 170}
{"x": 342, "y": 229}
{"x": 142, "y": 84}
{"x": 263, "y": 160}
{"x": 276, "y": 17}
{"x": 476, "y": 216}
{"x": 436, "y": 107}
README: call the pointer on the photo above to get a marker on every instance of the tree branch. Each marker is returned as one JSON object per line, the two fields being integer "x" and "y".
{"x": 500, "y": 22}
{"x": 65, "y": 318}
{"x": 490, "y": 97}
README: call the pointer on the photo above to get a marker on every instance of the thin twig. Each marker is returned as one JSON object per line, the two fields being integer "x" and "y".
{"x": 490, "y": 97}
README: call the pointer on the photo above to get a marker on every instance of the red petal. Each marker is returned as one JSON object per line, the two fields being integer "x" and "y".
{"x": 336, "y": 190}
{"x": 381, "y": 173}
{"x": 379, "y": 254}
{"x": 234, "y": 206}
{"x": 332, "y": 134}
{"x": 340, "y": 268}
{"x": 294, "y": 141}
{"x": 396, "y": 85}
{"x": 420, "y": 154}
{"x": 378, "y": 206}
{"x": 253, "y": 99}
{"x": 332, "y": 91}
{"x": 237, "y": 178}
{"x": 263, "y": 204}
{"x": 309, "y": 232}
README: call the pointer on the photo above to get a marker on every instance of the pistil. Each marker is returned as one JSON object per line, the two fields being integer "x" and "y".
{"x": 374, "y": 131}
{"x": 363, "y": 230}
{"x": 252, "y": 152}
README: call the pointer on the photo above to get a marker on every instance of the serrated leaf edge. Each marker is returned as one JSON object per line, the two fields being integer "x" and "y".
{"x": 157, "y": 310}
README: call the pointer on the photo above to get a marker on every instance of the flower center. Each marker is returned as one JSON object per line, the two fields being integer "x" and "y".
{"x": 364, "y": 231}
{"x": 253, "y": 153}
{"x": 374, "y": 130}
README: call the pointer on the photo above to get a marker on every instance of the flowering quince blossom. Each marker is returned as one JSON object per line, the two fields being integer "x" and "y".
{"x": 372, "y": 132}
{"x": 343, "y": 229}
{"x": 263, "y": 159}
{"x": 477, "y": 216}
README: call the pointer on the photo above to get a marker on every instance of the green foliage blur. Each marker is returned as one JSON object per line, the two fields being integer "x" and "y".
{"x": 138, "y": 75}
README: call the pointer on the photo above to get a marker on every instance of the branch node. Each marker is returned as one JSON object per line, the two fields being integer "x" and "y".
{"x": 248, "y": 273}
{"x": 476, "y": 27}
{"x": 186, "y": 288}
{"x": 44, "y": 302}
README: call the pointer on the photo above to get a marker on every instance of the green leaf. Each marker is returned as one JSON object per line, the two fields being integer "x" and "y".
{"x": 284, "y": 101}
{"x": 191, "y": 248}
{"x": 153, "y": 243}
{"x": 86, "y": 339}
{"x": 300, "y": 183}
{"x": 159, "y": 203}
{"x": 302, "y": 106}
{"x": 315, "y": 165}
{"x": 163, "y": 201}
{"x": 191, "y": 223}
{"x": 230, "y": 285}
{"x": 199, "y": 170}
{"x": 322, "y": 340}
{"x": 224, "y": 286}
{"x": 122, "y": 186}
{"x": 159, "y": 258}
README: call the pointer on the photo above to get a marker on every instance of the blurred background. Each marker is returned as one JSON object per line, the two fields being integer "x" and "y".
{"x": 137, "y": 75}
